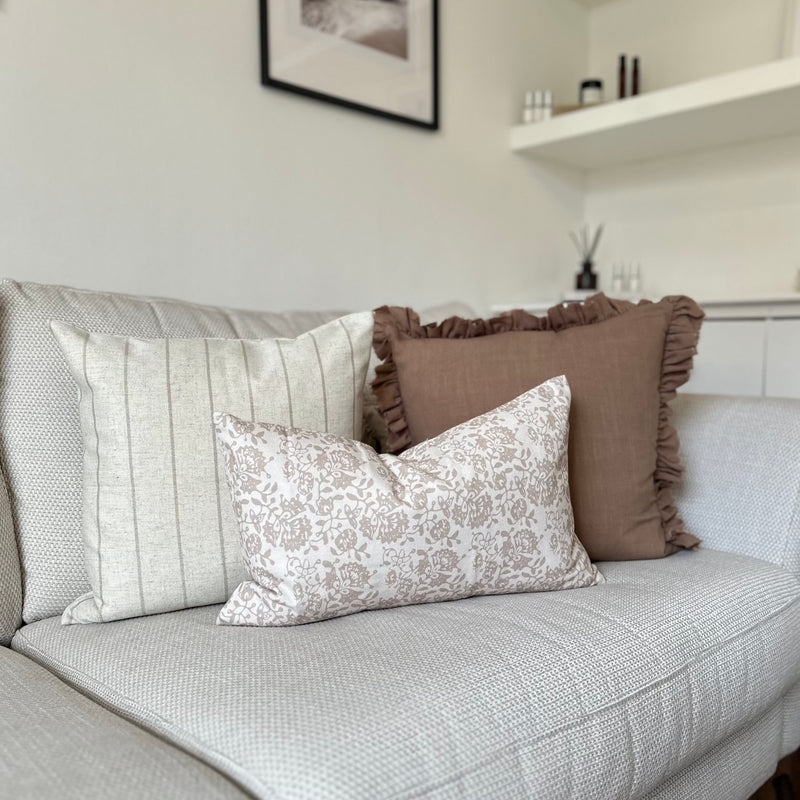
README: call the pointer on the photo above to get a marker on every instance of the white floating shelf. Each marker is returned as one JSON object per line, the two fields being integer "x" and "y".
{"x": 756, "y": 103}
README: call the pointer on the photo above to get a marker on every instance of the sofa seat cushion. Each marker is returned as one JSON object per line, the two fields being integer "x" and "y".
{"x": 602, "y": 692}
{"x": 56, "y": 743}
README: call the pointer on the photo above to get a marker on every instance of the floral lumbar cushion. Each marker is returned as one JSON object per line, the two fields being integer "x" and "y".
{"x": 329, "y": 527}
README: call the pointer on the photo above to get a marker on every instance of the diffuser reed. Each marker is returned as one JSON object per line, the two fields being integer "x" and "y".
{"x": 586, "y": 245}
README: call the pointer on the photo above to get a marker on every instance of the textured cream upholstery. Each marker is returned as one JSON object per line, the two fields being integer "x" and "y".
{"x": 10, "y": 582}
{"x": 56, "y": 743}
{"x": 741, "y": 484}
{"x": 790, "y": 740}
{"x": 678, "y": 678}
{"x": 737, "y": 766}
{"x": 41, "y": 448}
{"x": 602, "y": 692}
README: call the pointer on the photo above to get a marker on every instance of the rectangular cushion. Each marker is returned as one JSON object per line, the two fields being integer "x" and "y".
{"x": 41, "y": 448}
{"x": 340, "y": 529}
{"x": 159, "y": 529}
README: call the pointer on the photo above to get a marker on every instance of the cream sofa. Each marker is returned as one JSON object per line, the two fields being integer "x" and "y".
{"x": 677, "y": 678}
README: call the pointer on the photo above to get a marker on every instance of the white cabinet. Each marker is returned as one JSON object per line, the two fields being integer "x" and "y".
{"x": 782, "y": 374}
{"x": 730, "y": 358}
{"x": 748, "y": 347}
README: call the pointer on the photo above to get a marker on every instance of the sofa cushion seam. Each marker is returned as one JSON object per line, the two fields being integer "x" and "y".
{"x": 518, "y": 745}
{"x": 92, "y": 690}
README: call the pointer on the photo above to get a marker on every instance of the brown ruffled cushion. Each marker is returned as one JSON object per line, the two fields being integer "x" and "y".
{"x": 624, "y": 363}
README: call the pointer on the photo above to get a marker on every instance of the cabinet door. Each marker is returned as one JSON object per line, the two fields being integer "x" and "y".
{"x": 730, "y": 358}
{"x": 783, "y": 358}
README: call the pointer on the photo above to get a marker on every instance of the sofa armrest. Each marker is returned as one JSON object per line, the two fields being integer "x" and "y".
{"x": 741, "y": 482}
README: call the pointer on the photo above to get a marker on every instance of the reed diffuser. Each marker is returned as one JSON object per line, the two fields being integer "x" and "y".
{"x": 587, "y": 247}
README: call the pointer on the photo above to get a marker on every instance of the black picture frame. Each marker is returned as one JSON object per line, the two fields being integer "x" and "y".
{"x": 428, "y": 121}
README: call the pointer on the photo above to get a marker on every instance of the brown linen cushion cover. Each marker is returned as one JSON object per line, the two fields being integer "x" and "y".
{"x": 624, "y": 362}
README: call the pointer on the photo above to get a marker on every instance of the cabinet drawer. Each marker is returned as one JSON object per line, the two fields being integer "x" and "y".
{"x": 783, "y": 358}
{"x": 730, "y": 358}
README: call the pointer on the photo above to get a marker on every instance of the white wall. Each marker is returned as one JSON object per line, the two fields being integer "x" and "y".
{"x": 683, "y": 40}
{"x": 713, "y": 225}
{"x": 710, "y": 224}
{"x": 138, "y": 152}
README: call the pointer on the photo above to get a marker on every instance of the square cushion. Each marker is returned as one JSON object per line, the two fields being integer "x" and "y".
{"x": 159, "y": 530}
{"x": 41, "y": 446}
{"x": 623, "y": 363}
{"x": 329, "y": 527}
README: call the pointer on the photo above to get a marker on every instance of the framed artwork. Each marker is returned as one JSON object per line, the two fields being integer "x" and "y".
{"x": 378, "y": 56}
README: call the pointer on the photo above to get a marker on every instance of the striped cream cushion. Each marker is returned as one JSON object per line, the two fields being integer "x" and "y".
{"x": 159, "y": 530}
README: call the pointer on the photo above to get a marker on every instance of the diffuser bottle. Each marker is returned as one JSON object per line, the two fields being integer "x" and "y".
{"x": 586, "y": 278}
{"x": 586, "y": 245}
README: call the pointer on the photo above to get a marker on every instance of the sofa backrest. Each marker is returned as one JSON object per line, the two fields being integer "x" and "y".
{"x": 41, "y": 450}
{"x": 741, "y": 481}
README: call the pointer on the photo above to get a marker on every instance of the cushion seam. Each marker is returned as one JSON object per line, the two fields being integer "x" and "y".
{"x": 190, "y": 740}
{"x": 182, "y": 740}
{"x": 519, "y": 745}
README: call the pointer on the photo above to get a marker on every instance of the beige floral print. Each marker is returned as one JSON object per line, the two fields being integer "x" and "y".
{"x": 329, "y": 527}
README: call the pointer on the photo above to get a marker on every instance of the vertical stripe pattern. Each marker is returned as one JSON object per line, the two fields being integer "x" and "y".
{"x": 322, "y": 381}
{"x": 356, "y": 388}
{"x": 97, "y": 472}
{"x": 249, "y": 380}
{"x": 168, "y": 538}
{"x": 288, "y": 382}
{"x": 134, "y": 515}
{"x": 217, "y": 491}
{"x": 175, "y": 490}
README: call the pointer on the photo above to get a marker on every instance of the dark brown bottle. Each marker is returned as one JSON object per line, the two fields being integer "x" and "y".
{"x": 586, "y": 279}
{"x": 635, "y": 77}
{"x": 622, "y": 77}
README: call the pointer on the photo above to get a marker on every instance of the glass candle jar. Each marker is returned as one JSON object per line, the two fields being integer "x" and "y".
{"x": 591, "y": 92}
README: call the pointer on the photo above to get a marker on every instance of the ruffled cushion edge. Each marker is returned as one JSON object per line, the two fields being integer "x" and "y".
{"x": 680, "y": 348}
{"x": 394, "y": 323}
